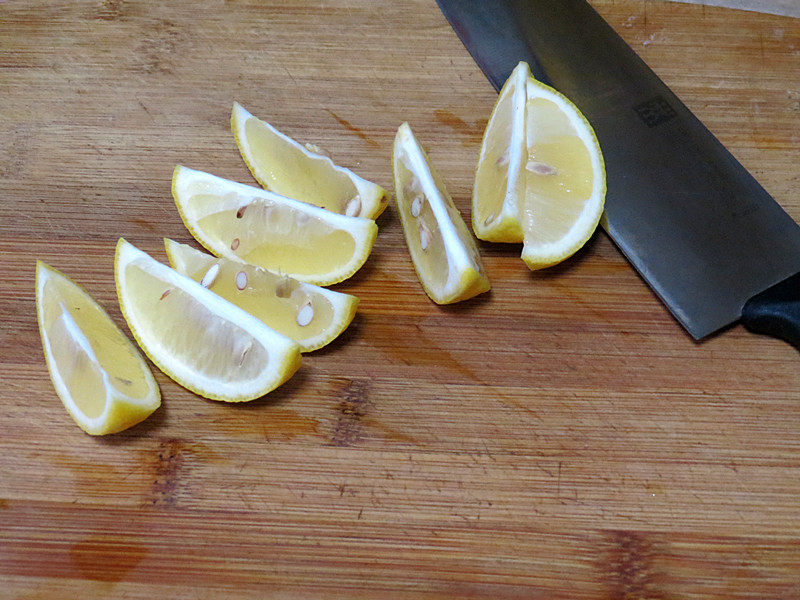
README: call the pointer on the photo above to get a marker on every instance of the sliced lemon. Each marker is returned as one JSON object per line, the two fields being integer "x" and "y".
{"x": 312, "y": 316}
{"x": 256, "y": 226}
{"x": 499, "y": 179}
{"x": 565, "y": 180}
{"x": 100, "y": 377}
{"x": 199, "y": 339}
{"x": 304, "y": 173}
{"x": 443, "y": 251}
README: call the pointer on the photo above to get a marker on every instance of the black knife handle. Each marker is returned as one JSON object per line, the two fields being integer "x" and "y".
{"x": 776, "y": 311}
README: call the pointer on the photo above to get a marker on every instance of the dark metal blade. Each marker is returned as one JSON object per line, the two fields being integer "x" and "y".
{"x": 696, "y": 225}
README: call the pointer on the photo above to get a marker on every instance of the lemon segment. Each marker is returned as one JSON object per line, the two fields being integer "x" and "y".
{"x": 97, "y": 372}
{"x": 282, "y": 165}
{"x": 312, "y": 316}
{"x": 443, "y": 251}
{"x": 203, "y": 342}
{"x": 499, "y": 179}
{"x": 565, "y": 180}
{"x": 248, "y": 224}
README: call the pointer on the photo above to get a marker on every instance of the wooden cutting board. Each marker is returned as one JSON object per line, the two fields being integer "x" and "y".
{"x": 561, "y": 437}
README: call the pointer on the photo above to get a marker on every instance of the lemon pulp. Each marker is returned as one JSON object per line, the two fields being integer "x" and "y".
{"x": 492, "y": 174}
{"x": 84, "y": 342}
{"x": 262, "y": 228}
{"x": 294, "y": 240}
{"x": 279, "y": 313}
{"x": 274, "y": 299}
{"x": 302, "y": 172}
{"x": 210, "y": 335}
{"x": 498, "y": 190}
{"x": 433, "y": 259}
{"x": 200, "y": 340}
{"x": 98, "y": 374}
{"x": 442, "y": 249}
{"x": 554, "y": 198}
{"x": 287, "y": 171}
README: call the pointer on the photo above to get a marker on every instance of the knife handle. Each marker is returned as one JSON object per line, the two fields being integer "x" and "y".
{"x": 776, "y": 311}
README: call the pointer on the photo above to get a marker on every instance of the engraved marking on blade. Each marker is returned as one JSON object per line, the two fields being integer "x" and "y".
{"x": 655, "y": 111}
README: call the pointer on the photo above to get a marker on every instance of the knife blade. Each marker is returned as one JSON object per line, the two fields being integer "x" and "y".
{"x": 702, "y": 232}
{"x": 784, "y": 8}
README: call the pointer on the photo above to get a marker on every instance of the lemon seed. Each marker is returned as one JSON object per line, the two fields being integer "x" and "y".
{"x": 210, "y": 275}
{"x": 540, "y": 168}
{"x": 353, "y": 207}
{"x": 305, "y": 314}
{"x": 424, "y": 236}
{"x": 416, "y": 207}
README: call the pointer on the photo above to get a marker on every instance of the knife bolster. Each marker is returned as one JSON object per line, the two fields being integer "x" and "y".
{"x": 776, "y": 311}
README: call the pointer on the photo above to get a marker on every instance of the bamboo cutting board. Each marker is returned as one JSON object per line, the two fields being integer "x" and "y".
{"x": 561, "y": 437}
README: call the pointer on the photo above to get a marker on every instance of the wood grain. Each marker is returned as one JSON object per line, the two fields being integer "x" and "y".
{"x": 561, "y": 437}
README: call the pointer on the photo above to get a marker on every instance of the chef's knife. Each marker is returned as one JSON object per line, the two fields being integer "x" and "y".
{"x": 707, "y": 238}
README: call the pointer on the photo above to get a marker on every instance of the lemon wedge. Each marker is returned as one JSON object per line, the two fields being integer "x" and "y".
{"x": 312, "y": 316}
{"x": 443, "y": 251}
{"x": 302, "y": 172}
{"x": 100, "y": 377}
{"x": 256, "y": 226}
{"x": 565, "y": 179}
{"x": 540, "y": 178}
{"x": 200, "y": 340}
{"x": 499, "y": 179}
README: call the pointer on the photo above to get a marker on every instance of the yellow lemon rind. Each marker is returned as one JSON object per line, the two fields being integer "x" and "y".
{"x": 471, "y": 284}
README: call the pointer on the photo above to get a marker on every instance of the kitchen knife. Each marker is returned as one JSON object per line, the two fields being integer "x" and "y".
{"x": 701, "y": 231}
